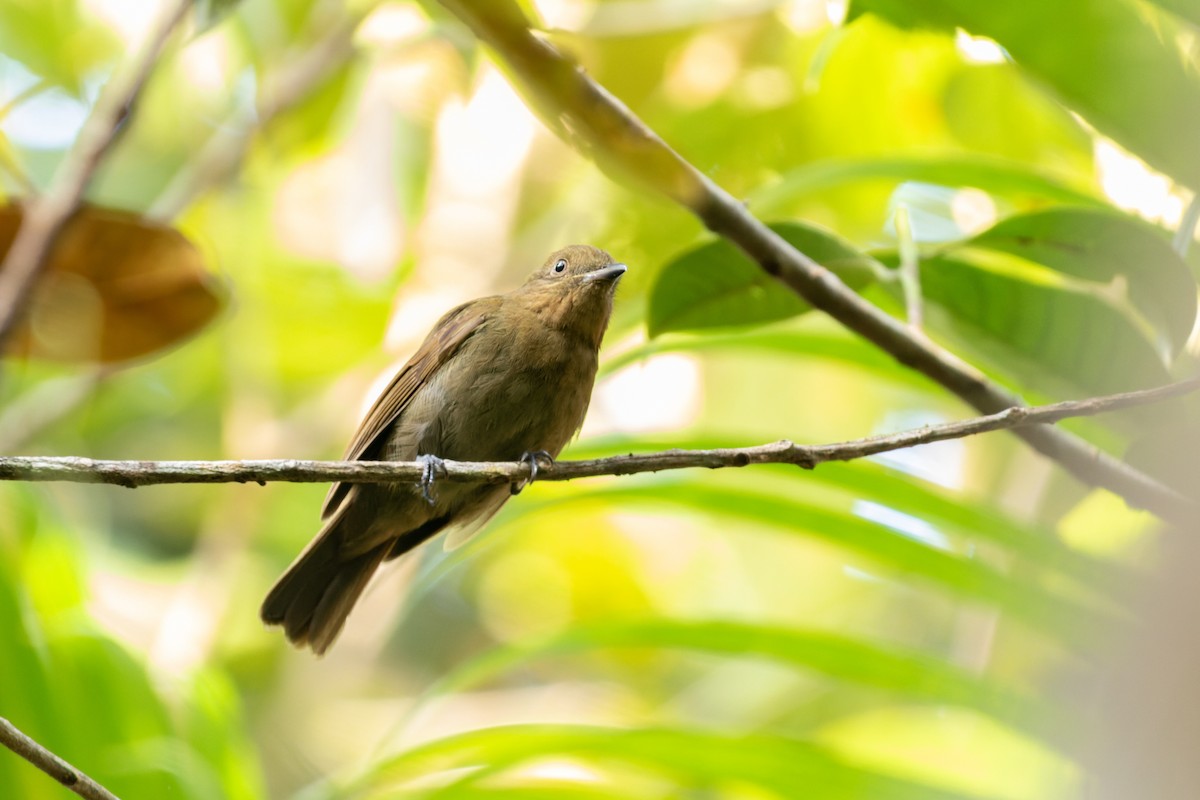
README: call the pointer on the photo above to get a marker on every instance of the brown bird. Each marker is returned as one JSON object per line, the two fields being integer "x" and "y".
{"x": 497, "y": 379}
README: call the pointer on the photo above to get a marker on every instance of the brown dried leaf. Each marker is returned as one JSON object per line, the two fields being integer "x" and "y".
{"x": 117, "y": 287}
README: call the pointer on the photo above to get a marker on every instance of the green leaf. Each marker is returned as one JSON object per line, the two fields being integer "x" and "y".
{"x": 210, "y": 13}
{"x": 1051, "y": 332}
{"x": 212, "y": 722}
{"x": 824, "y": 514}
{"x": 865, "y": 480}
{"x": 1101, "y": 58}
{"x": 904, "y": 558}
{"x": 56, "y": 40}
{"x": 1067, "y": 300}
{"x": 25, "y": 693}
{"x": 688, "y": 758}
{"x": 993, "y": 175}
{"x": 838, "y": 346}
{"x": 57, "y": 670}
{"x": 545, "y": 789}
{"x": 912, "y": 675}
{"x": 1103, "y": 247}
{"x": 974, "y": 518}
{"x": 902, "y": 13}
{"x": 95, "y": 676}
{"x": 1188, "y": 10}
{"x": 715, "y": 285}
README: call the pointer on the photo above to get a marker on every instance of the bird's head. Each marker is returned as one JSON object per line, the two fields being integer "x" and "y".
{"x": 574, "y": 289}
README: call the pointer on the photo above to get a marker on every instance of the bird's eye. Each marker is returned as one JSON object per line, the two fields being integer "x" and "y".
{"x": 560, "y": 265}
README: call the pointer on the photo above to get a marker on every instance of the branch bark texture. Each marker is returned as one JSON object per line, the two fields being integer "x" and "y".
{"x": 599, "y": 125}
{"x": 12, "y": 738}
{"x": 143, "y": 473}
{"x": 48, "y": 214}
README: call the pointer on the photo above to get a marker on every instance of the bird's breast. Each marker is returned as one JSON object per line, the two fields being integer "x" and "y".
{"x": 513, "y": 389}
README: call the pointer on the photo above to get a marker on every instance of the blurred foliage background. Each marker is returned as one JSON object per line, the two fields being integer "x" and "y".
{"x": 932, "y": 623}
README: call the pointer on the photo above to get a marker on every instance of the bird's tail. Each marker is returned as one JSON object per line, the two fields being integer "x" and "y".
{"x": 313, "y": 598}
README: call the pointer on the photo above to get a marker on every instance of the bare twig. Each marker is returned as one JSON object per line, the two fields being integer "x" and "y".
{"x": 46, "y": 215}
{"x": 143, "y": 473}
{"x": 598, "y": 124}
{"x": 12, "y": 738}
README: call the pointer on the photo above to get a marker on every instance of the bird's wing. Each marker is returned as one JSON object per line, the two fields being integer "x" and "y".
{"x": 441, "y": 343}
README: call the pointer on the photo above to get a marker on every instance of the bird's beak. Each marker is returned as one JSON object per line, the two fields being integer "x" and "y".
{"x": 609, "y": 273}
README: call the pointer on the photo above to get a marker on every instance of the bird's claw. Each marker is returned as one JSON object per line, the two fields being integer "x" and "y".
{"x": 532, "y": 460}
{"x": 433, "y": 465}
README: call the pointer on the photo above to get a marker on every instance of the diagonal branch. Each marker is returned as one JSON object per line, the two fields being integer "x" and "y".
{"x": 599, "y": 125}
{"x": 12, "y": 738}
{"x": 143, "y": 473}
{"x": 48, "y": 214}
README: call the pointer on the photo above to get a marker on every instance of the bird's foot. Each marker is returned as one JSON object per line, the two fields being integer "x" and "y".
{"x": 532, "y": 460}
{"x": 433, "y": 465}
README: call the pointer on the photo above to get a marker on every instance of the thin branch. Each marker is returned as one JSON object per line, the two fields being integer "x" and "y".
{"x": 143, "y": 473}
{"x": 12, "y": 738}
{"x": 599, "y": 125}
{"x": 48, "y": 214}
